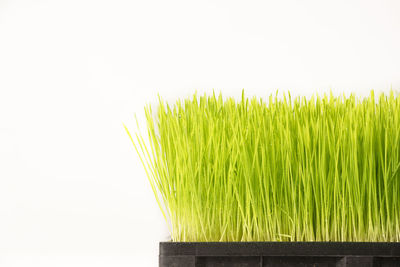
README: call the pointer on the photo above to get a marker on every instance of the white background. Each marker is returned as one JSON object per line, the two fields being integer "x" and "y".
{"x": 72, "y": 189}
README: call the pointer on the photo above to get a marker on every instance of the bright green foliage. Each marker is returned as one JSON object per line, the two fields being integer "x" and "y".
{"x": 322, "y": 169}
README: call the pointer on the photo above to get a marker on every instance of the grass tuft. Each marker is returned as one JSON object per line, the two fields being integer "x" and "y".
{"x": 322, "y": 169}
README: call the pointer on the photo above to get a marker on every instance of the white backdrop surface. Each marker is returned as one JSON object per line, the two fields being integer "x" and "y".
{"x": 72, "y": 189}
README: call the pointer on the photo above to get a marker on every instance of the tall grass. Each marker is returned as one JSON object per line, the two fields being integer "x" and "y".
{"x": 322, "y": 169}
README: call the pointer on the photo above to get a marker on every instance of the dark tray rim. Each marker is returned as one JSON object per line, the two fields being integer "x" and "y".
{"x": 379, "y": 249}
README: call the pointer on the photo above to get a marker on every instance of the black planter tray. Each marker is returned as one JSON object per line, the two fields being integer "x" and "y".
{"x": 285, "y": 254}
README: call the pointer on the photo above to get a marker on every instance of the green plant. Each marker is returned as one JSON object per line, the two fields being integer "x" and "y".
{"x": 322, "y": 169}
